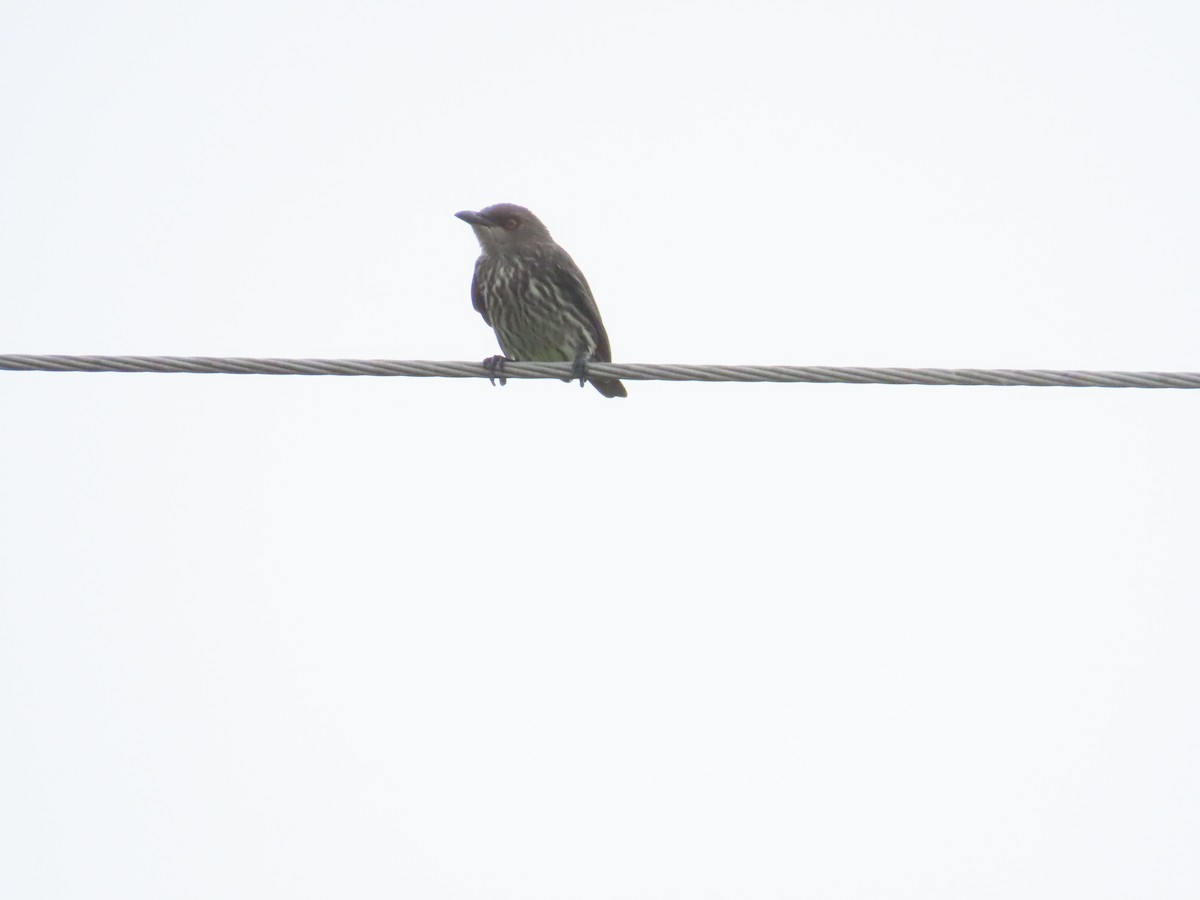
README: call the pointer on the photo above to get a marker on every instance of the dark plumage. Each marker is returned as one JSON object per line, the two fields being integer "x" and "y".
{"x": 531, "y": 292}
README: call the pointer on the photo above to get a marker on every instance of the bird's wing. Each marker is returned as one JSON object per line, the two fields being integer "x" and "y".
{"x": 569, "y": 280}
{"x": 477, "y": 292}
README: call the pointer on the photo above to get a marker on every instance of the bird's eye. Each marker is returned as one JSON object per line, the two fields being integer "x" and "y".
{"x": 511, "y": 224}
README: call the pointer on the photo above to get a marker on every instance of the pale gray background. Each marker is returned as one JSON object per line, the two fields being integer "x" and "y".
{"x": 270, "y": 637}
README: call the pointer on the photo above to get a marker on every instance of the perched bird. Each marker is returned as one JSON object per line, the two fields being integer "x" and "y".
{"x": 531, "y": 292}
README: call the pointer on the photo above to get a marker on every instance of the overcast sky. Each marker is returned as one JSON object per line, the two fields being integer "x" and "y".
{"x": 314, "y": 637}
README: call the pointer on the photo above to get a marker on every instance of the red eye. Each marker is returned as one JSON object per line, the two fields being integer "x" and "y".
{"x": 511, "y": 224}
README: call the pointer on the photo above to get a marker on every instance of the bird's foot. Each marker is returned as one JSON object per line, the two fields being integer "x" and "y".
{"x": 494, "y": 365}
{"x": 579, "y": 370}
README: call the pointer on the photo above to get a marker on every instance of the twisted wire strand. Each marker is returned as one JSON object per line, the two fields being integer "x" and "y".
{"x": 631, "y": 371}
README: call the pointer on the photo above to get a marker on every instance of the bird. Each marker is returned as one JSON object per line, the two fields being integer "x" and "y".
{"x": 535, "y": 297}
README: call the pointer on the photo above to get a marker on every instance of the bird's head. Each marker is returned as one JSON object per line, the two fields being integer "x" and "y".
{"x": 505, "y": 227}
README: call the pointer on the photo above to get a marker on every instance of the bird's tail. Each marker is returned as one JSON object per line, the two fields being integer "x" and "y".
{"x": 609, "y": 387}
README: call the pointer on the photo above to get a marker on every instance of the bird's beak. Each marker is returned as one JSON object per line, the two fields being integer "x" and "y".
{"x": 474, "y": 218}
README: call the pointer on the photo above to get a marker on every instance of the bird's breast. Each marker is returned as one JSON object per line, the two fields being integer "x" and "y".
{"x": 534, "y": 319}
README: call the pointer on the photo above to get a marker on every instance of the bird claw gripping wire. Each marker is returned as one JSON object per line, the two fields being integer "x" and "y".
{"x": 579, "y": 370}
{"x": 494, "y": 365}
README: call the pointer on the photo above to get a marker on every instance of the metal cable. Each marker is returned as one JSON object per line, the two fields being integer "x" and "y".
{"x": 633, "y": 372}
